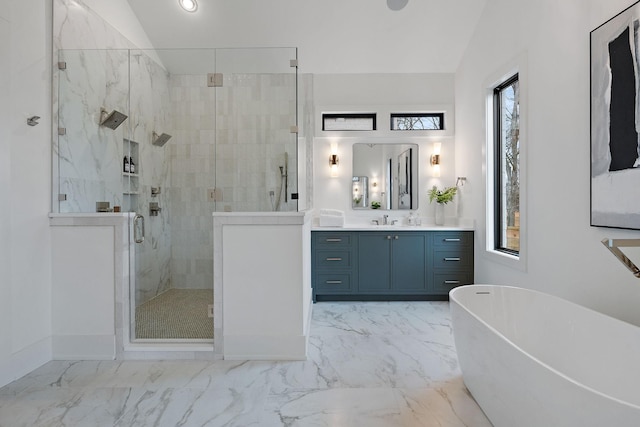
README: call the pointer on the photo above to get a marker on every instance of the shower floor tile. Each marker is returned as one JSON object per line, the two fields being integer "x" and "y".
{"x": 176, "y": 314}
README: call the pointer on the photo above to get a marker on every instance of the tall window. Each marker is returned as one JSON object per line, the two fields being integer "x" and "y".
{"x": 506, "y": 104}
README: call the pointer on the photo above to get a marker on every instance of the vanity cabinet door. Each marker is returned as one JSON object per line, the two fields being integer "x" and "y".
{"x": 392, "y": 262}
{"x": 409, "y": 262}
{"x": 374, "y": 262}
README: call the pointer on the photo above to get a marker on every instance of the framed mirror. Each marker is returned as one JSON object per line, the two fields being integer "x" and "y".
{"x": 385, "y": 176}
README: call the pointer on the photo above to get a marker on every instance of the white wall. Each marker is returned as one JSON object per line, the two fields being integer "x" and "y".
{"x": 565, "y": 256}
{"x": 25, "y": 258}
{"x": 383, "y": 94}
{"x": 118, "y": 13}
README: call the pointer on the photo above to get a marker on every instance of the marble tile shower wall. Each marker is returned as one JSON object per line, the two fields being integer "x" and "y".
{"x": 81, "y": 37}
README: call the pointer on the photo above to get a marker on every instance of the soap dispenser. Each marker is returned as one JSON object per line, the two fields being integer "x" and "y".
{"x": 411, "y": 219}
{"x": 126, "y": 168}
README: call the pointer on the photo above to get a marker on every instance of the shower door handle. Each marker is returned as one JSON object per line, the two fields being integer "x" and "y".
{"x": 138, "y": 237}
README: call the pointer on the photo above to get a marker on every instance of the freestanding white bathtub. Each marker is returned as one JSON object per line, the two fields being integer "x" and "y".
{"x": 532, "y": 359}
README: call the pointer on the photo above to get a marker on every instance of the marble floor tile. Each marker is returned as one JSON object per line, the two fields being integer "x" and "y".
{"x": 445, "y": 405}
{"x": 369, "y": 364}
{"x": 334, "y": 407}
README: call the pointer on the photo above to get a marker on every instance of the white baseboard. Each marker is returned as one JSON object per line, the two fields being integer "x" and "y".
{"x": 251, "y": 347}
{"x": 84, "y": 347}
{"x": 24, "y": 361}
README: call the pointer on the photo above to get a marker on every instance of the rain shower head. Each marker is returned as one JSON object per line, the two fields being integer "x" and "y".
{"x": 111, "y": 120}
{"x": 160, "y": 140}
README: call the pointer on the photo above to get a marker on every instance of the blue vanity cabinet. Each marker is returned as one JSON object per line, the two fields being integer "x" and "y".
{"x": 392, "y": 262}
{"x": 333, "y": 262}
{"x": 390, "y": 265}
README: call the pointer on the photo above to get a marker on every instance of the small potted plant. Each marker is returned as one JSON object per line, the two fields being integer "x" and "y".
{"x": 442, "y": 197}
{"x": 375, "y": 205}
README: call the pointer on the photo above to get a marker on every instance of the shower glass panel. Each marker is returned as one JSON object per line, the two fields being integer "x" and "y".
{"x": 88, "y": 170}
{"x": 256, "y": 147}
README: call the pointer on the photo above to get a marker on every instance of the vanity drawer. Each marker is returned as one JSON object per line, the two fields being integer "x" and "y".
{"x": 333, "y": 259}
{"x": 332, "y": 283}
{"x": 444, "y": 282}
{"x": 452, "y": 239}
{"x": 327, "y": 239}
{"x": 460, "y": 259}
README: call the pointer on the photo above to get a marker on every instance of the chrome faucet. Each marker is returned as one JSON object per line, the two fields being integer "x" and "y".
{"x": 385, "y": 219}
{"x": 614, "y": 246}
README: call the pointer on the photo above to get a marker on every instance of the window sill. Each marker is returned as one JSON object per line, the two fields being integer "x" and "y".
{"x": 517, "y": 262}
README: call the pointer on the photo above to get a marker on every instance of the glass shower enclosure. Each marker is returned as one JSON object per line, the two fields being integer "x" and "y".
{"x": 173, "y": 136}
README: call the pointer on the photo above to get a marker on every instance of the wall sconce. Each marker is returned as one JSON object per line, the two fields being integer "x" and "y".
{"x": 333, "y": 164}
{"x": 435, "y": 159}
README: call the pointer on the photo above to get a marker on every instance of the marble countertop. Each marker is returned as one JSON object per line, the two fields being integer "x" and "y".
{"x": 427, "y": 224}
{"x": 397, "y": 227}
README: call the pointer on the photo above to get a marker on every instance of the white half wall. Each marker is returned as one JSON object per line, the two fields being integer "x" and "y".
{"x": 262, "y": 271}
{"x": 565, "y": 256}
{"x": 83, "y": 301}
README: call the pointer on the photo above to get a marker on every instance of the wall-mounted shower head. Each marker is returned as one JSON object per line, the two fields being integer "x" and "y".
{"x": 111, "y": 120}
{"x": 159, "y": 140}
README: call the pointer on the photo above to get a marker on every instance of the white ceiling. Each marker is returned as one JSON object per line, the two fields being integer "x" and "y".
{"x": 332, "y": 36}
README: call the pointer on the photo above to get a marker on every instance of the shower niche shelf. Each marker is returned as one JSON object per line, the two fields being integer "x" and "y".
{"x": 130, "y": 181}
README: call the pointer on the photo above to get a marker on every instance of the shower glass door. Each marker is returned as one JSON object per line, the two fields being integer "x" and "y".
{"x": 173, "y": 119}
{"x": 256, "y": 140}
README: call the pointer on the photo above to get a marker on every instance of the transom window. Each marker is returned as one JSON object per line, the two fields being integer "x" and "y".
{"x": 348, "y": 121}
{"x": 417, "y": 121}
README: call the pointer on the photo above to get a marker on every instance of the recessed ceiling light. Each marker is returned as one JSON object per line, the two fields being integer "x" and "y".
{"x": 188, "y": 5}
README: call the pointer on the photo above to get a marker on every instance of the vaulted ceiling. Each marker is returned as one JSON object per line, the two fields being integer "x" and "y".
{"x": 333, "y": 36}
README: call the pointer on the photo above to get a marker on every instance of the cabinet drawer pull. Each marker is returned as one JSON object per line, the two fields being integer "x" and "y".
{"x": 333, "y": 240}
{"x": 451, "y": 240}
{"x": 452, "y": 282}
{"x": 452, "y": 259}
{"x": 333, "y": 282}
{"x": 334, "y": 259}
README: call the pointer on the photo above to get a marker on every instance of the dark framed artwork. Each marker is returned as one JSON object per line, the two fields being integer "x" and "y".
{"x": 615, "y": 121}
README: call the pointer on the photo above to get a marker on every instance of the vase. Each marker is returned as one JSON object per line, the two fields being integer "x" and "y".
{"x": 439, "y": 213}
